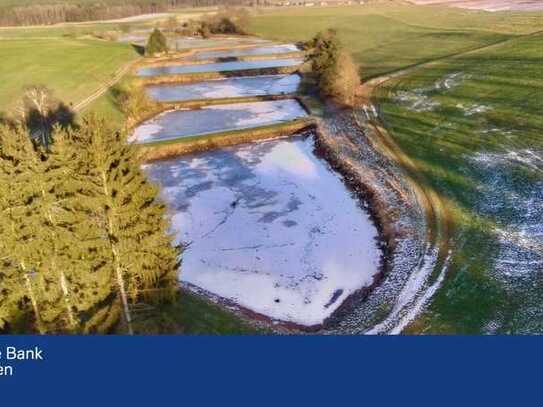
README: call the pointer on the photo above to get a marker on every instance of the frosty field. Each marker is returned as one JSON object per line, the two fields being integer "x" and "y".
{"x": 473, "y": 123}
{"x": 218, "y": 67}
{"x": 210, "y": 119}
{"x": 271, "y": 227}
{"x": 226, "y": 88}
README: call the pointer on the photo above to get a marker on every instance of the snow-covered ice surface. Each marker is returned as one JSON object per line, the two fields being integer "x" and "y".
{"x": 226, "y": 88}
{"x": 210, "y": 119}
{"x": 240, "y": 52}
{"x": 271, "y": 227}
{"x": 218, "y": 67}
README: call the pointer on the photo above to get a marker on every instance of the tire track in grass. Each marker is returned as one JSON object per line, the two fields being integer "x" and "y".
{"x": 103, "y": 88}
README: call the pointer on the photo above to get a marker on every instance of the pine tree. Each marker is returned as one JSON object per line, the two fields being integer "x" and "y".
{"x": 156, "y": 44}
{"x": 18, "y": 296}
{"x": 144, "y": 259}
{"x": 80, "y": 248}
{"x": 84, "y": 236}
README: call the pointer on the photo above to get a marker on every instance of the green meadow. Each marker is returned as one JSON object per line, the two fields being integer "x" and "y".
{"x": 385, "y": 38}
{"x": 474, "y": 126}
{"x": 72, "y": 68}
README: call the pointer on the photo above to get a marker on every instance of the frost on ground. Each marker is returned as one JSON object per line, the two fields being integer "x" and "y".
{"x": 211, "y": 119}
{"x": 226, "y": 88}
{"x": 450, "y": 81}
{"x": 270, "y": 227}
{"x": 240, "y": 52}
{"x": 473, "y": 109}
{"x": 420, "y": 99}
{"x": 416, "y": 100}
{"x": 219, "y": 66}
{"x": 512, "y": 197}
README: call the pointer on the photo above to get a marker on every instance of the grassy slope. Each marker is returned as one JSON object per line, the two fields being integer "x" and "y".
{"x": 190, "y": 315}
{"x": 508, "y": 80}
{"x": 72, "y": 68}
{"x": 385, "y": 38}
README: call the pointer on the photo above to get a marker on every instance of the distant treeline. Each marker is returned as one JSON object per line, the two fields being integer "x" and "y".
{"x": 74, "y": 11}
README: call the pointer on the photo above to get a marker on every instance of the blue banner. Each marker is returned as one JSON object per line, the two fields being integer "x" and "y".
{"x": 281, "y": 371}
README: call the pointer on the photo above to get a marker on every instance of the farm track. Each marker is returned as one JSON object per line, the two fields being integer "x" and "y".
{"x": 104, "y": 88}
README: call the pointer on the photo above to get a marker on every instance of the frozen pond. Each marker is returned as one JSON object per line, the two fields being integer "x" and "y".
{"x": 269, "y": 226}
{"x": 226, "y": 88}
{"x": 241, "y": 52}
{"x": 140, "y": 37}
{"x": 218, "y": 67}
{"x": 210, "y": 119}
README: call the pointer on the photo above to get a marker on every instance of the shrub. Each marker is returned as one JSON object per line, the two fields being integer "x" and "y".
{"x": 156, "y": 44}
{"x": 335, "y": 71}
{"x": 132, "y": 100}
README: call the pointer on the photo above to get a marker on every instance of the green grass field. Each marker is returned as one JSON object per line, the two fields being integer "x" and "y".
{"x": 384, "y": 38}
{"x": 479, "y": 141}
{"x": 72, "y": 68}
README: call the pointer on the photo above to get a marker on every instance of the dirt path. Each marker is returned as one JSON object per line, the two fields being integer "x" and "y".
{"x": 103, "y": 88}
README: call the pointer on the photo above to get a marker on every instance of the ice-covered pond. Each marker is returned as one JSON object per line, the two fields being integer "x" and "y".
{"x": 226, "y": 88}
{"x": 140, "y": 37}
{"x": 241, "y": 52}
{"x": 211, "y": 119}
{"x": 218, "y": 67}
{"x": 269, "y": 226}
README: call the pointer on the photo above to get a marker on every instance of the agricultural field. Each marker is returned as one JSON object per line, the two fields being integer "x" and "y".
{"x": 473, "y": 124}
{"x": 72, "y": 68}
{"x": 384, "y": 38}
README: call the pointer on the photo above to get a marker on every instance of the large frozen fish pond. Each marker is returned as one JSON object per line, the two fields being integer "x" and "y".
{"x": 226, "y": 88}
{"x": 218, "y": 67}
{"x": 270, "y": 227}
{"x": 211, "y": 119}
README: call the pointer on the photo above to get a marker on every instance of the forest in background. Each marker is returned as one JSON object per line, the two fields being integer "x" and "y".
{"x": 46, "y": 12}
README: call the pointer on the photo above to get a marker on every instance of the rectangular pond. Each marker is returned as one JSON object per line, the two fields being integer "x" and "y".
{"x": 211, "y": 119}
{"x": 270, "y": 227}
{"x": 140, "y": 37}
{"x": 218, "y": 67}
{"x": 226, "y": 88}
{"x": 241, "y": 52}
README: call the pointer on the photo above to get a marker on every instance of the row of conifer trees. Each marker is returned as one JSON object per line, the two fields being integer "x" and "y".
{"x": 84, "y": 238}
